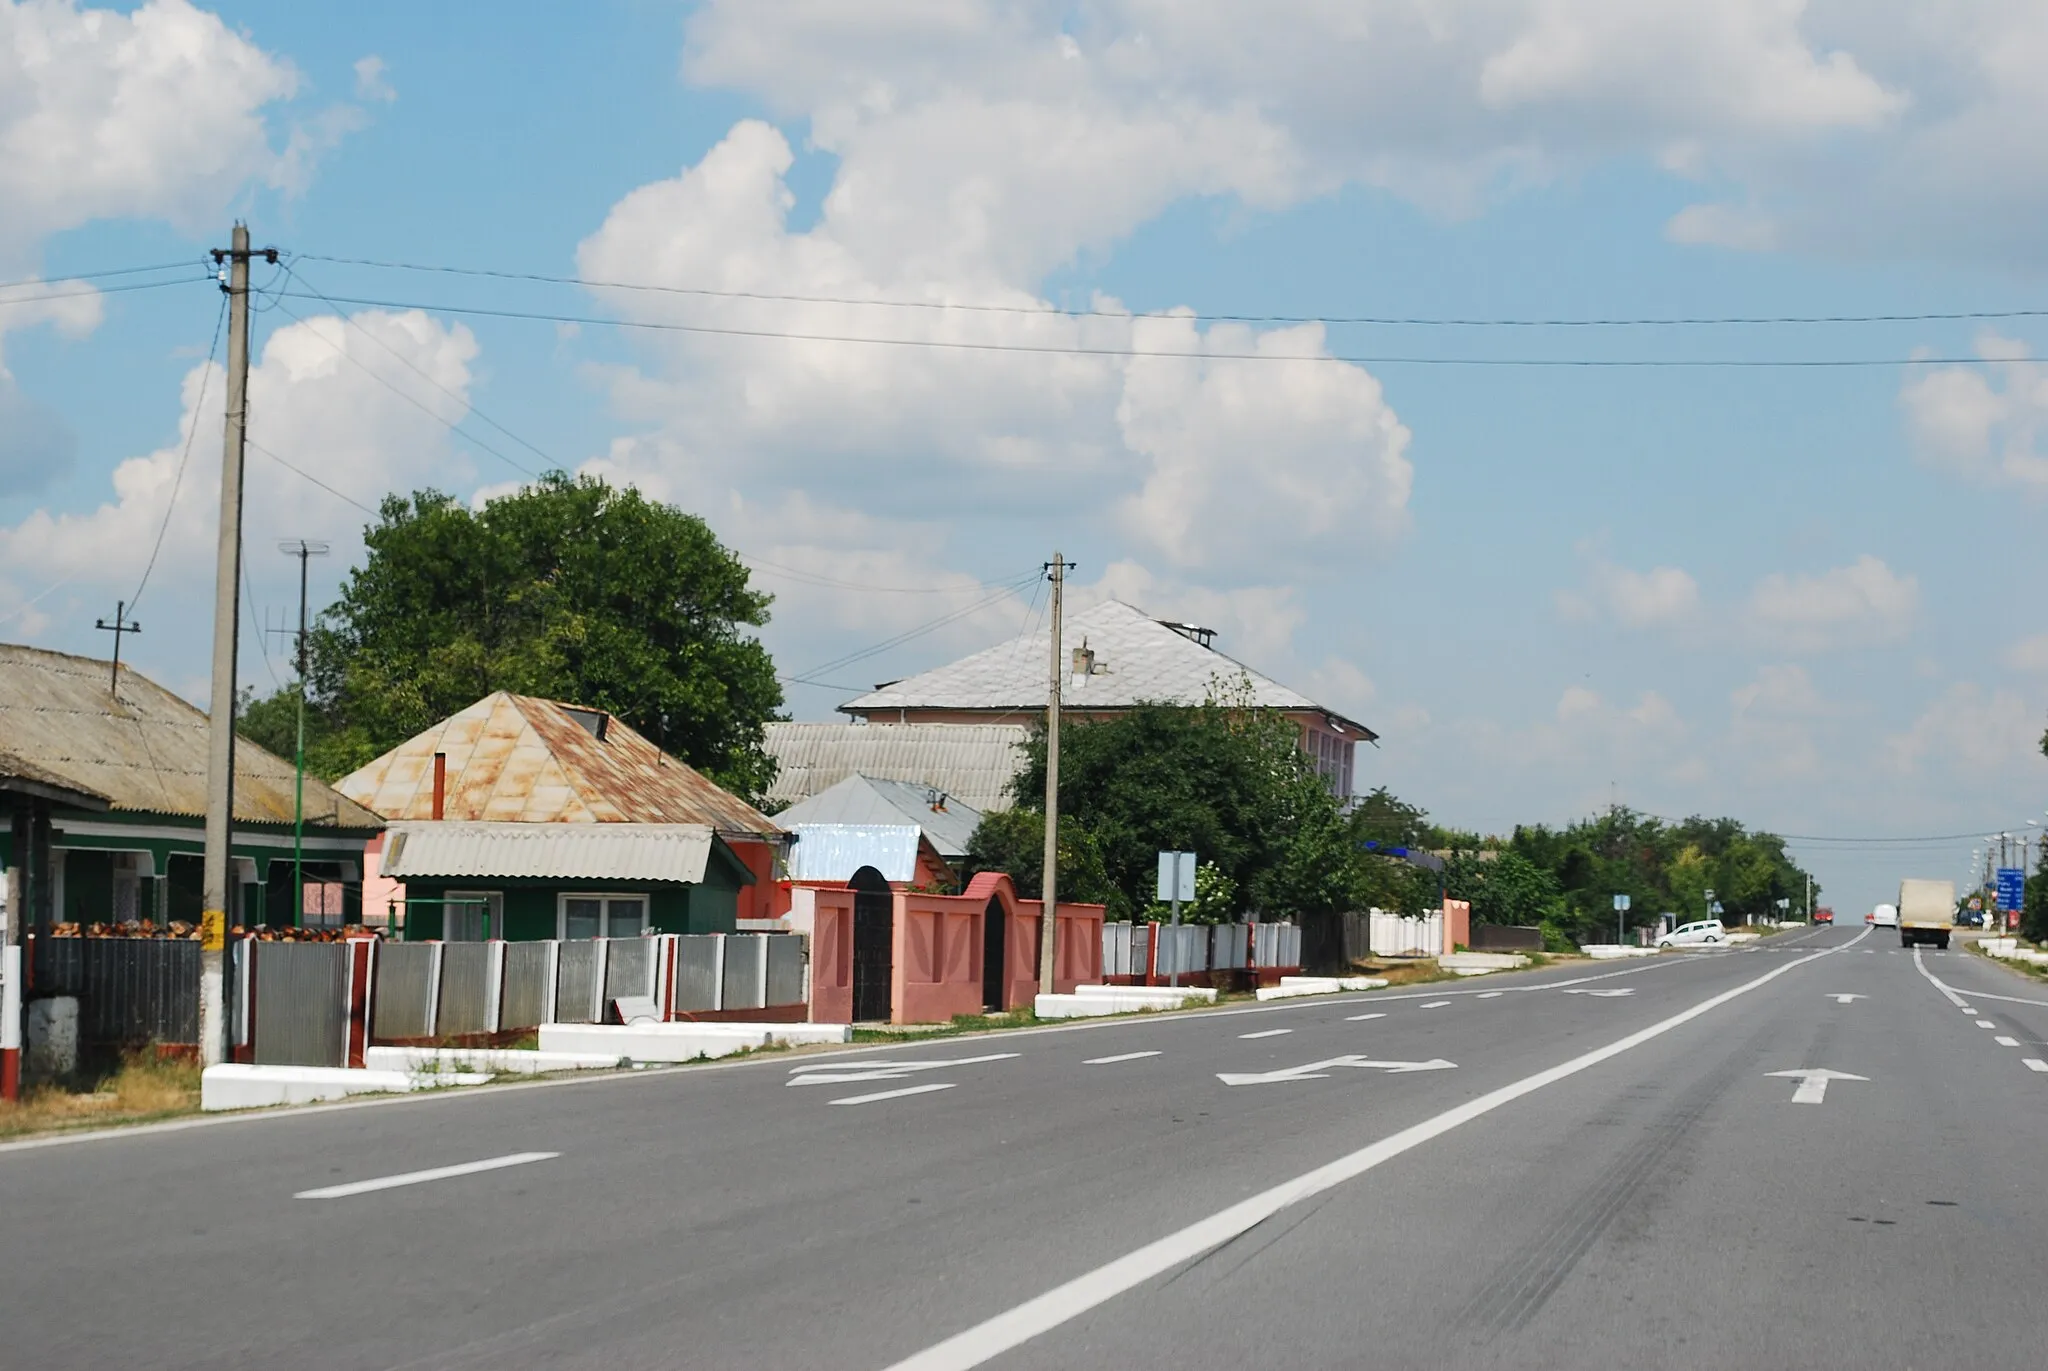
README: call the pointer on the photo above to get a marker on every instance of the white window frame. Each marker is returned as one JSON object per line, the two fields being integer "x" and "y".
{"x": 493, "y": 902}
{"x": 562, "y": 909}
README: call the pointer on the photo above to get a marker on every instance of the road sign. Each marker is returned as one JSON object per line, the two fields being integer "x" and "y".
{"x": 1621, "y": 902}
{"x": 1177, "y": 876}
{"x": 2012, "y": 888}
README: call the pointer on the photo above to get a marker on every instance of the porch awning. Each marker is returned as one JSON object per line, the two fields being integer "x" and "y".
{"x": 583, "y": 852}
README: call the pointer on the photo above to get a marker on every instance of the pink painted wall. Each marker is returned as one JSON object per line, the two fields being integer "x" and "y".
{"x": 380, "y": 892}
{"x": 938, "y": 957}
{"x": 832, "y": 958}
{"x": 1457, "y": 925}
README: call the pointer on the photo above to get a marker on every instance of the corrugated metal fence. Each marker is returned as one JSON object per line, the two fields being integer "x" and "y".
{"x": 130, "y": 991}
{"x": 1128, "y": 948}
{"x": 300, "y": 1004}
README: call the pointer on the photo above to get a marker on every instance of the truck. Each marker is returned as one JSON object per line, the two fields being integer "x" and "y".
{"x": 1926, "y": 910}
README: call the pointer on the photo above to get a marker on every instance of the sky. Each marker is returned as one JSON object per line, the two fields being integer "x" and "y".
{"x": 1296, "y": 320}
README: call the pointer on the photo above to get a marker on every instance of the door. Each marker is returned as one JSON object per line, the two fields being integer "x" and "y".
{"x": 874, "y": 947}
{"x": 995, "y": 931}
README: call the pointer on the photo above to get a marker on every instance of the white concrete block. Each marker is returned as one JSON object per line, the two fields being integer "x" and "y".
{"x": 236, "y": 1086}
{"x": 1478, "y": 963}
{"x": 1291, "y": 987}
{"x": 1105, "y": 1000}
{"x": 1172, "y": 995}
{"x": 443, "y": 1061}
{"x": 52, "y": 1038}
{"x": 682, "y": 1042}
{"x": 1610, "y": 951}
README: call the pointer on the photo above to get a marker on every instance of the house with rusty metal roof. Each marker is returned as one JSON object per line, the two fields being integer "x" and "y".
{"x": 103, "y": 772}
{"x": 525, "y": 818}
{"x": 1118, "y": 657}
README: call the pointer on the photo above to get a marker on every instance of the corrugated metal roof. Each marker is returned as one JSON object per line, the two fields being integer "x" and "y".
{"x": 584, "y": 852}
{"x": 144, "y": 752}
{"x": 970, "y": 762}
{"x": 865, "y": 800}
{"x": 833, "y": 852}
{"x": 1137, "y": 659}
{"x": 517, "y": 759}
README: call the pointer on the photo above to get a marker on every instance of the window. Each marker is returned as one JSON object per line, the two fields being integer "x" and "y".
{"x": 602, "y": 916}
{"x": 471, "y": 916}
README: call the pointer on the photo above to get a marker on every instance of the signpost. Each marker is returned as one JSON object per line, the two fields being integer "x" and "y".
{"x": 1620, "y": 909}
{"x": 1176, "y": 883}
{"x": 2012, "y": 889}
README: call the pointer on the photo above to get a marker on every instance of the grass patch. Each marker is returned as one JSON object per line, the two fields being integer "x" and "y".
{"x": 1403, "y": 971}
{"x": 141, "y": 1089}
{"x": 961, "y": 1024}
{"x": 2029, "y": 970}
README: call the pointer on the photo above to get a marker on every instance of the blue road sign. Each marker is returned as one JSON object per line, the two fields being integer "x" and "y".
{"x": 2012, "y": 888}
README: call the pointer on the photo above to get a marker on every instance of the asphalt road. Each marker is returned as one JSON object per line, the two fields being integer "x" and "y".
{"x": 1593, "y": 1166}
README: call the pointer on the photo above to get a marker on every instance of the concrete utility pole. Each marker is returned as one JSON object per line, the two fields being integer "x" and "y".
{"x": 1049, "y": 924}
{"x": 217, "y": 884}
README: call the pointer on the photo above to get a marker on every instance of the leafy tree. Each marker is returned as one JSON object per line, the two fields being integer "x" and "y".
{"x": 1504, "y": 888}
{"x": 1013, "y": 840}
{"x": 272, "y": 723}
{"x": 570, "y": 589}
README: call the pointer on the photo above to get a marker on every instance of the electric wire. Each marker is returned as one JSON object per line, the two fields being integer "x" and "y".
{"x": 298, "y": 471}
{"x": 908, "y": 635}
{"x": 178, "y": 479}
{"x": 1048, "y": 349}
{"x": 1646, "y": 321}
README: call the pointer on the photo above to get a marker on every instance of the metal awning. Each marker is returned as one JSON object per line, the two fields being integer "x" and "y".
{"x": 582, "y": 852}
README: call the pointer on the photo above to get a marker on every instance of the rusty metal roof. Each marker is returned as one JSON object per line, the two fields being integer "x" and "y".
{"x": 144, "y": 752}
{"x": 518, "y": 759}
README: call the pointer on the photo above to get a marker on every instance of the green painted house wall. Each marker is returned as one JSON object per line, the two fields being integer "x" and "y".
{"x": 532, "y": 907}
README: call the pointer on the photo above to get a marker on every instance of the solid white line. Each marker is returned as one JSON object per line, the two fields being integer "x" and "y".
{"x": 1119, "y": 1057}
{"x": 2004, "y": 1041}
{"x": 439, "y": 1173}
{"x": 890, "y": 1094}
{"x": 1361, "y": 1018}
{"x": 2008, "y": 999}
{"x": 2034, "y": 1064}
{"x": 1986, "y": 1023}
{"x": 1436, "y": 1004}
{"x": 993, "y": 1337}
{"x": 1269, "y": 1033}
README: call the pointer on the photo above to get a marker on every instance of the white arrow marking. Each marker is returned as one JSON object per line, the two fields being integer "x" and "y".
{"x": 1813, "y": 1082}
{"x": 1845, "y": 999}
{"x": 1315, "y": 1071}
{"x": 1603, "y": 994}
{"x": 892, "y": 1094}
{"x": 877, "y": 1069}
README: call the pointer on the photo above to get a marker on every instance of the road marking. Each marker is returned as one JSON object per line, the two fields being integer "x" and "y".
{"x": 992, "y": 1337}
{"x": 1847, "y": 999}
{"x": 829, "y": 1072}
{"x": 1986, "y": 1023}
{"x": 1119, "y": 1057}
{"x": 1602, "y": 994}
{"x": 1316, "y": 1071}
{"x": 1491, "y": 994}
{"x": 439, "y": 1173}
{"x": 2004, "y": 1041}
{"x": 1361, "y": 1018}
{"x": 891, "y": 1094}
{"x": 1436, "y": 1004}
{"x": 1268, "y": 1033}
{"x": 1813, "y": 1082}
{"x": 2034, "y": 1064}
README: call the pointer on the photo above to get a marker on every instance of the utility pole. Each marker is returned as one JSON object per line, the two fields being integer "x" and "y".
{"x": 1049, "y": 923}
{"x": 122, "y": 625}
{"x": 302, "y": 550}
{"x": 217, "y": 886}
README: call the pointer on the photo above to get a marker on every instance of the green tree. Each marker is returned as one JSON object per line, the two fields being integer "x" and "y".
{"x": 1013, "y": 841}
{"x": 570, "y": 589}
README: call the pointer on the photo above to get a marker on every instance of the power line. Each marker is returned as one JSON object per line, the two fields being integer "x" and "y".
{"x": 178, "y": 480}
{"x": 1353, "y": 359}
{"x": 812, "y": 578}
{"x": 92, "y": 291}
{"x": 1647, "y": 321}
{"x": 104, "y": 273}
{"x": 297, "y": 471}
{"x": 917, "y": 631}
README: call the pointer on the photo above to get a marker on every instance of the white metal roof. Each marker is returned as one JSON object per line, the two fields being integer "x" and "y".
{"x": 863, "y": 800}
{"x": 973, "y": 763}
{"x": 583, "y": 852}
{"x": 1136, "y": 659}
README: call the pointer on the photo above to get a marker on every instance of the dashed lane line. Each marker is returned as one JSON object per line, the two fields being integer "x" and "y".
{"x": 2034, "y": 1064}
{"x": 1269, "y": 1033}
{"x": 1986, "y": 1023}
{"x": 2004, "y": 1041}
{"x": 1119, "y": 1057}
{"x": 1436, "y": 1004}
{"x": 439, "y": 1173}
{"x": 1361, "y": 1018}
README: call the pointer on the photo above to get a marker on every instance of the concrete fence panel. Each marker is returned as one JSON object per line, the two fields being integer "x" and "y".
{"x": 630, "y": 968}
{"x": 467, "y": 994}
{"x": 525, "y": 999}
{"x": 746, "y": 971}
{"x": 785, "y": 953}
{"x": 402, "y": 1005}
{"x": 578, "y": 981}
{"x": 699, "y": 976}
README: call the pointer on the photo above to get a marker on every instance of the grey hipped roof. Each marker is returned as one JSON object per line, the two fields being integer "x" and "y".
{"x": 973, "y": 763}
{"x": 863, "y": 801}
{"x": 145, "y": 752}
{"x": 1136, "y": 659}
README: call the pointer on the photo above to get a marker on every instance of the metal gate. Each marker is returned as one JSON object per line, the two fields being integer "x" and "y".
{"x": 301, "y": 1003}
{"x": 874, "y": 958}
{"x": 995, "y": 935}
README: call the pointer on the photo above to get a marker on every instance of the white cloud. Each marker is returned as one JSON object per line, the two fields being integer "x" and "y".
{"x": 2029, "y": 655}
{"x": 1773, "y": 720}
{"x": 371, "y": 83}
{"x": 311, "y": 408}
{"x": 1723, "y": 226}
{"x": 157, "y": 113}
{"x": 1658, "y": 597}
{"x": 1864, "y": 602}
{"x": 1969, "y": 730}
{"x": 1985, "y": 423}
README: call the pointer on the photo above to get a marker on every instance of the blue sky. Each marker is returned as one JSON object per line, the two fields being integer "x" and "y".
{"x": 1798, "y": 596}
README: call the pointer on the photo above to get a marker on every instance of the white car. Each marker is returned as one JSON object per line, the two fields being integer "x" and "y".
{"x": 1695, "y": 934}
{"x": 1884, "y": 916}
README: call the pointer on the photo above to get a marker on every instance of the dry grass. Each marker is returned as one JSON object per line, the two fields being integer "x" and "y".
{"x": 1403, "y": 971}
{"x": 140, "y": 1089}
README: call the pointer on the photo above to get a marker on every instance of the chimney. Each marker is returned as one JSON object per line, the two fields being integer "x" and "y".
{"x": 440, "y": 783}
{"x": 1084, "y": 660}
